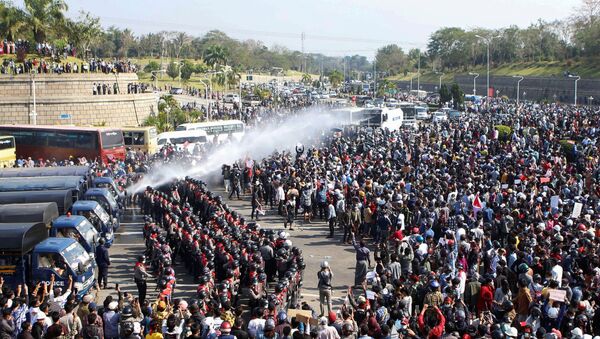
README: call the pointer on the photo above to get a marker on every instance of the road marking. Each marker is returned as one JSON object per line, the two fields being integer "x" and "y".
{"x": 141, "y": 244}
{"x": 316, "y": 296}
{"x": 130, "y": 233}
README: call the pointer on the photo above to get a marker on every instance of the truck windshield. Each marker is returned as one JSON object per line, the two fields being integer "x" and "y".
{"x": 74, "y": 255}
{"x": 101, "y": 213}
{"x": 108, "y": 186}
{"x": 88, "y": 232}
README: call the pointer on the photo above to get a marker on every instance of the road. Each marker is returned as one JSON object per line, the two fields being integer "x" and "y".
{"x": 311, "y": 238}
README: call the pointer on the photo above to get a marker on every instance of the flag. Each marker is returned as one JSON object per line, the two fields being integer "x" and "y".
{"x": 477, "y": 206}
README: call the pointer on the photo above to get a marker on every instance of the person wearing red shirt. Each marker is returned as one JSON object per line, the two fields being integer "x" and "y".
{"x": 431, "y": 329}
{"x": 486, "y": 296}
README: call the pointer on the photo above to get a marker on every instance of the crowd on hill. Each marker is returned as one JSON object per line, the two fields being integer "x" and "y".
{"x": 44, "y": 66}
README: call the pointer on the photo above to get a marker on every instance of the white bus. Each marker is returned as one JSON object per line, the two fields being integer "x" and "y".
{"x": 183, "y": 139}
{"x": 382, "y": 117}
{"x": 220, "y": 130}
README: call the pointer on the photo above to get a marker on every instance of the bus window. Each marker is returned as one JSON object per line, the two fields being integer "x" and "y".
{"x": 111, "y": 139}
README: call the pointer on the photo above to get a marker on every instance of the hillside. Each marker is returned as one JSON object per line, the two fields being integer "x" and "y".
{"x": 589, "y": 68}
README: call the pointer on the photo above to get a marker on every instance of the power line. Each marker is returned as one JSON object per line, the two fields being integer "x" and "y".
{"x": 272, "y": 34}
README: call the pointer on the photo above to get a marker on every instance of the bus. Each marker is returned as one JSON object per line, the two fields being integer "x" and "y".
{"x": 376, "y": 117}
{"x": 8, "y": 151}
{"x": 183, "y": 139}
{"x": 217, "y": 131}
{"x": 140, "y": 138}
{"x": 63, "y": 142}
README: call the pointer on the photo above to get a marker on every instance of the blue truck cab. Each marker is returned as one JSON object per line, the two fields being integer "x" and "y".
{"x": 107, "y": 201}
{"x": 97, "y": 216}
{"x": 28, "y": 256}
{"x": 109, "y": 183}
{"x": 76, "y": 227}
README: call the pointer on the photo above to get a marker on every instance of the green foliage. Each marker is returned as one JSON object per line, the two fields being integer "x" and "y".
{"x": 152, "y": 66}
{"x": 186, "y": 70}
{"x": 567, "y": 147}
{"x": 84, "y": 32}
{"x": 445, "y": 94}
{"x": 458, "y": 96}
{"x": 504, "y": 132}
{"x": 173, "y": 70}
{"x": 216, "y": 55}
{"x": 306, "y": 79}
{"x": 263, "y": 94}
{"x": 336, "y": 77}
{"x": 391, "y": 58}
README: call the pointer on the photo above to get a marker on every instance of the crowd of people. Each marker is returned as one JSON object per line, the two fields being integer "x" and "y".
{"x": 461, "y": 229}
{"x": 474, "y": 232}
{"x": 44, "y": 66}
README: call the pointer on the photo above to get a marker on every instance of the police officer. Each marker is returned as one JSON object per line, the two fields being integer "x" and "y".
{"x": 226, "y": 331}
{"x": 139, "y": 276}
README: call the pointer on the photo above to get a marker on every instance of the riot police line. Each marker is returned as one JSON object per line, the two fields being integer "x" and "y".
{"x": 234, "y": 262}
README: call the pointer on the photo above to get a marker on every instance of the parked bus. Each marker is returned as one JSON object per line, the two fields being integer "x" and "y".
{"x": 183, "y": 139}
{"x": 140, "y": 138}
{"x": 8, "y": 151}
{"x": 63, "y": 142}
{"x": 220, "y": 130}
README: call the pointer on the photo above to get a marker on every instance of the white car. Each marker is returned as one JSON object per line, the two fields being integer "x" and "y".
{"x": 439, "y": 116}
{"x": 231, "y": 98}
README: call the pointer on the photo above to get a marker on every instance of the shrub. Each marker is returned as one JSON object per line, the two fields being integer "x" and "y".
{"x": 504, "y": 132}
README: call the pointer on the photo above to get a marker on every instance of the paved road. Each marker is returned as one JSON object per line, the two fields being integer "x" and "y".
{"x": 311, "y": 238}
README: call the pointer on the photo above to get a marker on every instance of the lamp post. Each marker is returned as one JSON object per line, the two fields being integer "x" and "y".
{"x": 33, "y": 113}
{"x": 488, "y": 40}
{"x": 441, "y": 75}
{"x": 518, "y": 86}
{"x": 475, "y": 76}
{"x": 576, "y": 77}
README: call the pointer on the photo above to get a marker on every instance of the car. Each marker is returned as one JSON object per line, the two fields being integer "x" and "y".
{"x": 231, "y": 98}
{"x": 439, "y": 116}
{"x": 422, "y": 114}
{"x": 251, "y": 100}
{"x": 176, "y": 90}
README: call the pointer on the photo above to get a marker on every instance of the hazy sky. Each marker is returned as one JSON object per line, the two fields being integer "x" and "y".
{"x": 333, "y": 27}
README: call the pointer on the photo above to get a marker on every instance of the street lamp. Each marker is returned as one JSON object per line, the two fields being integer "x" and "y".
{"x": 441, "y": 75}
{"x": 475, "y": 76}
{"x": 488, "y": 40}
{"x": 576, "y": 77}
{"x": 518, "y": 86}
{"x": 33, "y": 113}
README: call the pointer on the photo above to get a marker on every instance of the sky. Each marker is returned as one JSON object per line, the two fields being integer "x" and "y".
{"x": 331, "y": 27}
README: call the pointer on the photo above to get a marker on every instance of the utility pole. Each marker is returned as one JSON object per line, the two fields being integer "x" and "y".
{"x": 375, "y": 78}
{"x": 302, "y": 37}
{"x": 419, "y": 76}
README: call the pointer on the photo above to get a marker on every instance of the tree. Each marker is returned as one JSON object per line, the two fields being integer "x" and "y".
{"x": 306, "y": 79}
{"x": 458, "y": 96}
{"x": 216, "y": 55}
{"x": 43, "y": 16}
{"x": 445, "y": 94}
{"x": 84, "y": 32}
{"x": 173, "y": 70}
{"x": 12, "y": 20}
{"x": 186, "y": 70}
{"x": 152, "y": 66}
{"x": 391, "y": 59}
{"x": 336, "y": 78}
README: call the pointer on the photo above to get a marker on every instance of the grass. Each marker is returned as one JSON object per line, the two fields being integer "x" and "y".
{"x": 588, "y": 68}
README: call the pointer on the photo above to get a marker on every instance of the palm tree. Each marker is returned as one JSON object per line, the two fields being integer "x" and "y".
{"x": 43, "y": 16}
{"x": 11, "y": 21}
{"x": 306, "y": 79}
{"x": 233, "y": 78}
{"x": 216, "y": 55}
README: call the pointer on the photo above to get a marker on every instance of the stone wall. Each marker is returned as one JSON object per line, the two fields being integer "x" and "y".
{"x": 535, "y": 88}
{"x": 73, "y": 94}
